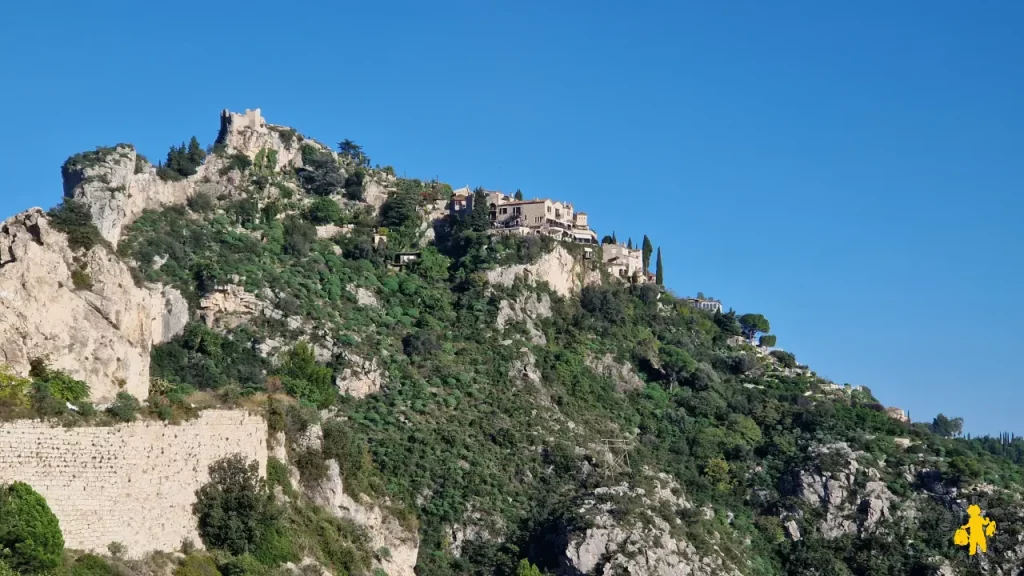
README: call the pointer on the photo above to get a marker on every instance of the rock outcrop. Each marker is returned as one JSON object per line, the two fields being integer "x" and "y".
{"x": 527, "y": 309}
{"x": 117, "y": 185}
{"x": 621, "y": 373}
{"x": 558, "y": 268}
{"x": 360, "y": 378}
{"x": 849, "y": 508}
{"x": 100, "y": 331}
{"x": 384, "y": 530}
{"x": 639, "y": 547}
{"x": 230, "y": 305}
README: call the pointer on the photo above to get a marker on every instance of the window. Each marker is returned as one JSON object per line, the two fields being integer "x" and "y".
{"x": 538, "y": 219}
{"x": 504, "y": 210}
{"x": 517, "y": 211}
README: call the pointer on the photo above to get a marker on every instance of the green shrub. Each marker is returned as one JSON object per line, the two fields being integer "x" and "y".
{"x": 201, "y": 202}
{"x": 30, "y": 536}
{"x": 125, "y": 407}
{"x": 91, "y": 565}
{"x": 60, "y": 385}
{"x": 786, "y": 359}
{"x": 74, "y": 219}
{"x": 140, "y": 163}
{"x": 6, "y": 570}
{"x": 198, "y": 564}
{"x": 182, "y": 161}
{"x": 81, "y": 279}
{"x": 323, "y": 211}
{"x": 14, "y": 390}
{"x": 235, "y": 508}
{"x": 305, "y": 379}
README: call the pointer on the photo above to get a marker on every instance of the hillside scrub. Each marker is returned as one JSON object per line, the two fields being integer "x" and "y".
{"x": 474, "y": 427}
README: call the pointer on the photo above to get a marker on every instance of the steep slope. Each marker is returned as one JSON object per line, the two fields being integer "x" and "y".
{"x": 495, "y": 399}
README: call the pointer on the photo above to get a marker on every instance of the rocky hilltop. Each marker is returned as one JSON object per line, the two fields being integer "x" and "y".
{"x": 447, "y": 395}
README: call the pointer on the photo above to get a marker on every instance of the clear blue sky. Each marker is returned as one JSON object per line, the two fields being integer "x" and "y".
{"x": 854, "y": 172}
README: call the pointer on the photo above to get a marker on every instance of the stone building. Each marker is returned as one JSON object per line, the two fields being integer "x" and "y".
{"x": 524, "y": 217}
{"x": 625, "y": 263}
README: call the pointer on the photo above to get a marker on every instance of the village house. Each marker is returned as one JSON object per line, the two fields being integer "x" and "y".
{"x": 897, "y": 414}
{"x": 705, "y": 304}
{"x": 524, "y": 217}
{"x": 625, "y": 263}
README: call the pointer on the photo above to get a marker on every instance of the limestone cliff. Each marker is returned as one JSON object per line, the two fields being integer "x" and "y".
{"x": 560, "y": 269}
{"x": 102, "y": 333}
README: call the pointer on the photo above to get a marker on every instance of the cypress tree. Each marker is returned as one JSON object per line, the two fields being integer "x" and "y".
{"x": 659, "y": 271}
{"x": 648, "y": 248}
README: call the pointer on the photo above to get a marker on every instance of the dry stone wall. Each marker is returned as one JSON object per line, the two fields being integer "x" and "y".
{"x": 131, "y": 483}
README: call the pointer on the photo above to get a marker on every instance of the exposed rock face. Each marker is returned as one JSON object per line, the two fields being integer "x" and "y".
{"x": 848, "y": 509}
{"x": 375, "y": 192}
{"x": 230, "y": 305}
{"x": 558, "y": 268}
{"x": 636, "y": 548}
{"x": 102, "y": 335}
{"x": 524, "y": 369}
{"x": 383, "y": 529}
{"x": 116, "y": 195}
{"x": 331, "y": 231}
{"x": 622, "y": 374}
{"x": 526, "y": 309}
{"x": 363, "y": 296}
{"x": 360, "y": 377}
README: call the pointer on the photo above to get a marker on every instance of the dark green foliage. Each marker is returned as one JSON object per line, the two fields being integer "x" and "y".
{"x": 61, "y": 386}
{"x": 74, "y": 219}
{"x": 323, "y": 211}
{"x": 659, "y": 273}
{"x": 518, "y": 194}
{"x": 354, "y": 184}
{"x": 182, "y": 161}
{"x": 353, "y": 152}
{"x": 421, "y": 343}
{"x": 204, "y": 359}
{"x": 236, "y": 511}
{"x": 305, "y": 379}
{"x": 767, "y": 340}
{"x": 648, "y": 249}
{"x": 237, "y": 161}
{"x": 91, "y": 565}
{"x": 298, "y": 236}
{"x": 752, "y": 324}
{"x": 786, "y": 359}
{"x": 399, "y": 210}
{"x": 125, "y": 407}
{"x": 140, "y": 163}
{"x": 201, "y": 202}
{"x": 321, "y": 174}
{"x": 30, "y": 537}
{"x": 947, "y": 427}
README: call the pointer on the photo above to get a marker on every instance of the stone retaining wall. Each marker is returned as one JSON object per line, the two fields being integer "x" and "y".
{"x": 131, "y": 483}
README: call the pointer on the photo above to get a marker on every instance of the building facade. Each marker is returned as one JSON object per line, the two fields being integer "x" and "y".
{"x": 524, "y": 217}
{"x": 625, "y": 263}
{"x": 705, "y": 304}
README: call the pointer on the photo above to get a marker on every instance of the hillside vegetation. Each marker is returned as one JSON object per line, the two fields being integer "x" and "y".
{"x": 615, "y": 431}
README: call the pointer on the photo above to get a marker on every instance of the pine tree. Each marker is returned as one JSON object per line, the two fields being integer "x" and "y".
{"x": 659, "y": 273}
{"x": 196, "y": 154}
{"x": 519, "y": 195}
{"x": 648, "y": 248}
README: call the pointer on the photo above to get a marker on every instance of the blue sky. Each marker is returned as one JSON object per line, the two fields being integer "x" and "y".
{"x": 854, "y": 172}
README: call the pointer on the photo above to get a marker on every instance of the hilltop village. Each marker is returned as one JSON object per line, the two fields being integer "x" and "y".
{"x": 516, "y": 216}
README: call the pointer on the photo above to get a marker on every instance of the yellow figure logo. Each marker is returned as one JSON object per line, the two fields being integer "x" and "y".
{"x": 974, "y": 532}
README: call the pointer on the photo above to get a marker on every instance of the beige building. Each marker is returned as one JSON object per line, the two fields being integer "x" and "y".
{"x": 524, "y": 217}
{"x": 625, "y": 263}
